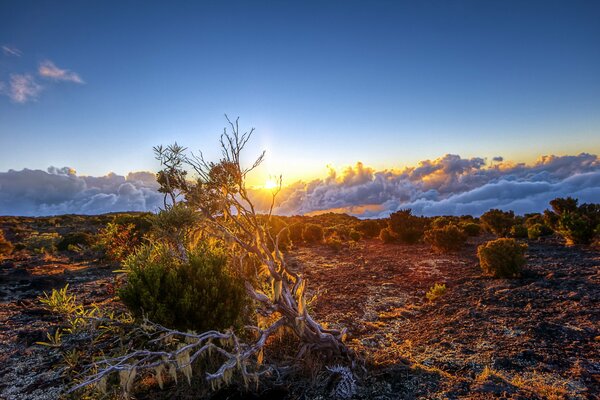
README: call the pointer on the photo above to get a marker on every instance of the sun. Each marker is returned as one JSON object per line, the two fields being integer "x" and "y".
{"x": 270, "y": 184}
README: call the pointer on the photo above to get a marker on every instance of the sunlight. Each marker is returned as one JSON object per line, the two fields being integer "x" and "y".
{"x": 270, "y": 184}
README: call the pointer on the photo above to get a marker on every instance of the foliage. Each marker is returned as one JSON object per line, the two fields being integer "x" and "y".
{"x": 354, "y": 235}
{"x": 334, "y": 243}
{"x": 387, "y": 235}
{"x": 312, "y": 233}
{"x": 576, "y": 224}
{"x": 6, "y": 247}
{"x": 77, "y": 239}
{"x": 446, "y": 239}
{"x": 440, "y": 222}
{"x": 470, "y": 228}
{"x": 407, "y": 227}
{"x": 436, "y": 291}
{"x": 502, "y": 258}
{"x": 518, "y": 231}
{"x": 42, "y": 242}
{"x": 118, "y": 241}
{"x": 199, "y": 293}
{"x": 498, "y": 222}
{"x": 369, "y": 228}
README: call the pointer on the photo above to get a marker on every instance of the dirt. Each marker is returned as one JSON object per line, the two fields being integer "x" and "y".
{"x": 534, "y": 337}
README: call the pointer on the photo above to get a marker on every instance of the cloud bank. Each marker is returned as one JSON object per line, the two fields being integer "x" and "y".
{"x": 449, "y": 185}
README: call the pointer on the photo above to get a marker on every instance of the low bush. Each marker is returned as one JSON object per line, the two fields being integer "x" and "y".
{"x": 198, "y": 294}
{"x": 518, "y": 231}
{"x": 6, "y": 247}
{"x": 440, "y": 222}
{"x": 334, "y": 243}
{"x": 576, "y": 224}
{"x": 502, "y": 258}
{"x": 535, "y": 231}
{"x": 118, "y": 241}
{"x": 498, "y": 222}
{"x": 354, "y": 235}
{"x": 42, "y": 242}
{"x": 387, "y": 235}
{"x": 407, "y": 227}
{"x": 470, "y": 228}
{"x": 76, "y": 239}
{"x": 312, "y": 233}
{"x": 446, "y": 239}
{"x": 369, "y": 228}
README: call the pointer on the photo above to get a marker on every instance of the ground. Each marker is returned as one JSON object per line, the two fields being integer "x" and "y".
{"x": 534, "y": 337}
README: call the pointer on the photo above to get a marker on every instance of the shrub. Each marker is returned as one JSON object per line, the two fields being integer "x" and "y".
{"x": 5, "y": 246}
{"x": 312, "y": 233}
{"x": 42, "y": 242}
{"x": 502, "y": 258}
{"x": 407, "y": 227}
{"x": 76, "y": 239}
{"x": 369, "y": 228}
{"x": 355, "y": 235}
{"x": 436, "y": 291}
{"x": 440, "y": 222}
{"x": 387, "y": 235}
{"x": 534, "y": 231}
{"x": 334, "y": 243}
{"x": 471, "y": 228}
{"x": 498, "y": 222}
{"x": 446, "y": 239}
{"x": 576, "y": 224}
{"x": 296, "y": 229}
{"x": 518, "y": 231}
{"x": 199, "y": 294}
{"x": 118, "y": 241}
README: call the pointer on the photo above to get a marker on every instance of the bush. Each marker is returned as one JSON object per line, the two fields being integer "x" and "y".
{"x": 355, "y": 235}
{"x": 369, "y": 228}
{"x": 199, "y": 294}
{"x": 76, "y": 239}
{"x": 407, "y": 227}
{"x": 334, "y": 243}
{"x": 42, "y": 242}
{"x": 436, "y": 291}
{"x": 296, "y": 228}
{"x": 498, "y": 222}
{"x": 446, "y": 239}
{"x": 5, "y": 246}
{"x": 312, "y": 233}
{"x": 440, "y": 222}
{"x": 518, "y": 231}
{"x": 387, "y": 235}
{"x": 118, "y": 241}
{"x": 471, "y": 228}
{"x": 576, "y": 224}
{"x": 535, "y": 231}
{"x": 502, "y": 258}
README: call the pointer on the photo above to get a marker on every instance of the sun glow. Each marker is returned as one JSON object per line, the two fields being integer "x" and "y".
{"x": 270, "y": 184}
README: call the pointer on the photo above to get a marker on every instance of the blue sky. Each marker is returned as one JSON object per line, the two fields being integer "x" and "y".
{"x": 386, "y": 83}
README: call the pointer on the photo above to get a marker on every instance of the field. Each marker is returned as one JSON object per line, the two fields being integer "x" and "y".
{"x": 483, "y": 337}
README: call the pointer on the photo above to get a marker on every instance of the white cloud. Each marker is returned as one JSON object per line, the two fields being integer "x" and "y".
{"x": 21, "y": 88}
{"x": 11, "y": 51}
{"x": 47, "y": 69}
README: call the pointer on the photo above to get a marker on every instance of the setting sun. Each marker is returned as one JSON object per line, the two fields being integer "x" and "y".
{"x": 270, "y": 183}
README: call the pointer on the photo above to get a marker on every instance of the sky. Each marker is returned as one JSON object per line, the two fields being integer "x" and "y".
{"x": 93, "y": 85}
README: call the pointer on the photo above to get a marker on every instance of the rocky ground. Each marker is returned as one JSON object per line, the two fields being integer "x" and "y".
{"x": 535, "y": 337}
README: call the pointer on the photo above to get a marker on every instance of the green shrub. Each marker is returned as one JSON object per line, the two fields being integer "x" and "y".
{"x": 199, "y": 294}
{"x": 498, "y": 222}
{"x": 118, "y": 241}
{"x": 502, "y": 258}
{"x": 470, "y": 228}
{"x": 296, "y": 228}
{"x": 312, "y": 233}
{"x": 369, "y": 228}
{"x": 77, "y": 239}
{"x": 440, "y": 222}
{"x": 355, "y": 235}
{"x": 6, "y": 247}
{"x": 407, "y": 227}
{"x": 518, "y": 231}
{"x": 576, "y": 224}
{"x": 436, "y": 291}
{"x": 535, "y": 231}
{"x": 446, "y": 239}
{"x": 334, "y": 243}
{"x": 387, "y": 235}
{"x": 42, "y": 242}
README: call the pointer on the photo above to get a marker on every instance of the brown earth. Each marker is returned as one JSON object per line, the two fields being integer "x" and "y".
{"x": 534, "y": 337}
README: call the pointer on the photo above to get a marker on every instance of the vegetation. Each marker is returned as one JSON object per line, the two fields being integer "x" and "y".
{"x": 369, "y": 228}
{"x": 498, "y": 222}
{"x": 502, "y": 258}
{"x": 6, "y": 247}
{"x": 407, "y": 227}
{"x": 576, "y": 224}
{"x": 436, "y": 291}
{"x": 42, "y": 242}
{"x": 387, "y": 235}
{"x": 470, "y": 228}
{"x": 448, "y": 238}
{"x": 312, "y": 233}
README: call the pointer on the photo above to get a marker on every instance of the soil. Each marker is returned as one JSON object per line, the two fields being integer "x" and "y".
{"x": 533, "y": 337}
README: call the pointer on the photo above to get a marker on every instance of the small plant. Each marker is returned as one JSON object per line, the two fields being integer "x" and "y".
{"x": 447, "y": 239}
{"x": 387, "y": 235}
{"x": 60, "y": 301}
{"x": 502, "y": 258}
{"x": 518, "y": 231}
{"x": 334, "y": 243}
{"x": 6, "y": 247}
{"x": 312, "y": 233}
{"x": 42, "y": 242}
{"x": 355, "y": 235}
{"x": 470, "y": 228}
{"x": 436, "y": 291}
{"x": 118, "y": 241}
{"x": 407, "y": 227}
{"x": 72, "y": 241}
{"x": 498, "y": 222}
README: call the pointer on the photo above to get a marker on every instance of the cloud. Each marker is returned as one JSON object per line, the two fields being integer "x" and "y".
{"x": 61, "y": 191}
{"x": 11, "y": 51}
{"x": 21, "y": 88}
{"x": 449, "y": 185}
{"x": 47, "y": 69}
